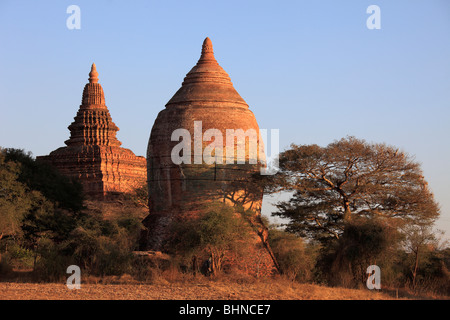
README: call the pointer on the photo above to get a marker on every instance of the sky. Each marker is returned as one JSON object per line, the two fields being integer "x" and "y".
{"x": 312, "y": 69}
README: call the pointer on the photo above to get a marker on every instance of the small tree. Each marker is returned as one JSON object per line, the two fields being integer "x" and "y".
{"x": 218, "y": 231}
{"x": 295, "y": 258}
{"x": 417, "y": 238}
{"x": 15, "y": 199}
{"x": 345, "y": 260}
{"x": 38, "y": 176}
{"x": 139, "y": 196}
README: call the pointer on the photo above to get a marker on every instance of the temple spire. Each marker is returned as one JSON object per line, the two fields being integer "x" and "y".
{"x": 93, "y": 75}
{"x": 207, "y": 49}
{"x": 93, "y": 91}
{"x": 93, "y": 154}
{"x": 207, "y": 81}
{"x": 93, "y": 124}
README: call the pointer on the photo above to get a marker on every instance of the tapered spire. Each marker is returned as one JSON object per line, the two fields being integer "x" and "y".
{"x": 93, "y": 91}
{"x": 207, "y": 82}
{"x": 207, "y": 49}
{"x": 93, "y": 75}
{"x": 93, "y": 124}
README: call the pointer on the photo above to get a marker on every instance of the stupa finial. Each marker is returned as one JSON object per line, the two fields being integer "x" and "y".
{"x": 93, "y": 75}
{"x": 207, "y": 49}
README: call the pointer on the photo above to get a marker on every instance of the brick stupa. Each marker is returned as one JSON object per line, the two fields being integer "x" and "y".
{"x": 179, "y": 191}
{"x": 93, "y": 153}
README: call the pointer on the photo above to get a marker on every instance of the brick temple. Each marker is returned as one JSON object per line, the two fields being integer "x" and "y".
{"x": 93, "y": 154}
{"x": 179, "y": 191}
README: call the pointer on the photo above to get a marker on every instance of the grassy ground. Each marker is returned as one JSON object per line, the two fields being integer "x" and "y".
{"x": 184, "y": 291}
{"x": 175, "y": 286}
{"x": 172, "y": 287}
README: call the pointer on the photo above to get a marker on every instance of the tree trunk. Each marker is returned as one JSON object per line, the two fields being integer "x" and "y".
{"x": 1, "y": 236}
{"x": 213, "y": 264}
{"x": 194, "y": 265}
{"x": 416, "y": 265}
{"x": 347, "y": 212}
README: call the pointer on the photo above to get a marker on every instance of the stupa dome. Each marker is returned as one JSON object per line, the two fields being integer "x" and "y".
{"x": 206, "y": 103}
{"x": 207, "y": 82}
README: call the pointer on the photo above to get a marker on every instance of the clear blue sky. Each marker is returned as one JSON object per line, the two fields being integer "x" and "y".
{"x": 311, "y": 69}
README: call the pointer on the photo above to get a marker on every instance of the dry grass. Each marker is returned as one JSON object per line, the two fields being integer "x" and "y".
{"x": 170, "y": 284}
{"x": 197, "y": 289}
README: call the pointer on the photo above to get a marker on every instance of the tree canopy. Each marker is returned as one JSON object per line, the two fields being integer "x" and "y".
{"x": 349, "y": 178}
{"x": 38, "y": 176}
{"x": 35, "y": 198}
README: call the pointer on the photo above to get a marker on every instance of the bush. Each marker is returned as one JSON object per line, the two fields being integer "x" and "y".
{"x": 217, "y": 236}
{"x": 5, "y": 267}
{"x": 51, "y": 264}
{"x": 37, "y": 204}
{"x": 433, "y": 274}
{"x": 344, "y": 262}
{"x": 38, "y": 176}
{"x": 103, "y": 247}
{"x": 98, "y": 246}
{"x": 295, "y": 259}
{"x": 20, "y": 257}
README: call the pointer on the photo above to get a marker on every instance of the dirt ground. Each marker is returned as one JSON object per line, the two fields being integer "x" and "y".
{"x": 184, "y": 291}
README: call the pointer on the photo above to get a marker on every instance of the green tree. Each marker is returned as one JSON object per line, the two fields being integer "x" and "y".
{"x": 35, "y": 198}
{"x": 15, "y": 199}
{"x": 138, "y": 196}
{"x": 349, "y": 178}
{"x": 219, "y": 231}
{"x": 364, "y": 242}
{"x": 44, "y": 211}
{"x": 295, "y": 258}
{"x": 99, "y": 246}
{"x": 57, "y": 188}
{"x": 36, "y": 201}
{"x": 417, "y": 240}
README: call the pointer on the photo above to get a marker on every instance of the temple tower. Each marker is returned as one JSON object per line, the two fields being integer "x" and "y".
{"x": 93, "y": 153}
{"x": 196, "y": 122}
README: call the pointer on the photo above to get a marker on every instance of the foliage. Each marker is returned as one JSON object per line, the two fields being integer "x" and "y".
{"x": 44, "y": 224}
{"x": 295, "y": 258}
{"x": 366, "y": 204}
{"x": 346, "y": 179}
{"x": 57, "y": 188}
{"x": 51, "y": 263}
{"x": 98, "y": 246}
{"x": 364, "y": 242}
{"x": 35, "y": 198}
{"x": 15, "y": 200}
{"x": 43, "y": 212}
{"x": 218, "y": 231}
{"x": 426, "y": 261}
{"x": 138, "y": 196}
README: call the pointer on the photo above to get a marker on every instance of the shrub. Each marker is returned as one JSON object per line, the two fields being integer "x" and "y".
{"x": 218, "y": 234}
{"x": 51, "y": 264}
{"x": 296, "y": 260}
{"x": 344, "y": 261}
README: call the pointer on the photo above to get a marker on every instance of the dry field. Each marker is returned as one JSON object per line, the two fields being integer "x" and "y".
{"x": 271, "y": 290}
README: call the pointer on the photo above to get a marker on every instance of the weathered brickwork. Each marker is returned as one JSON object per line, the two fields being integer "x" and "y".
{"x": 178, "y": 191}
{"x": 93, "y": 153}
